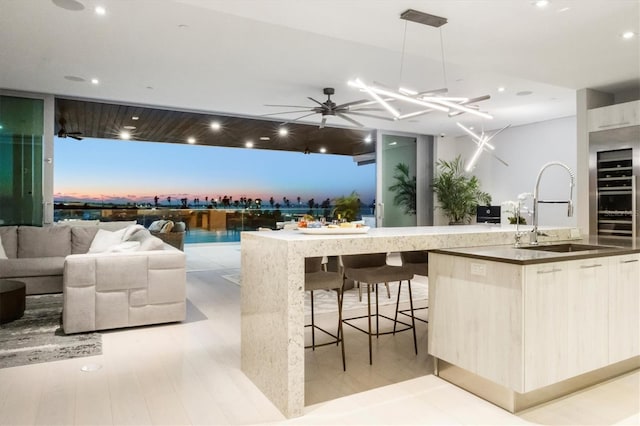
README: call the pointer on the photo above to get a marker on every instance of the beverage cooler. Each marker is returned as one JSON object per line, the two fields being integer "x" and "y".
{"x": 614, "y": 172}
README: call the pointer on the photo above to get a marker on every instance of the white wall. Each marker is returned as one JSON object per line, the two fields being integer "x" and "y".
{"x": 526, "y": 149}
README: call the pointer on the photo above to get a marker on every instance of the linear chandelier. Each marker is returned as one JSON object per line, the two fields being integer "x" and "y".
{"x": 428, "y": 101}
{"x": 482, "y": 141}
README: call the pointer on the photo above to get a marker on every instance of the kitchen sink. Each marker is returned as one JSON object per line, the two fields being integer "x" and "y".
{"x": 566, "y": 247}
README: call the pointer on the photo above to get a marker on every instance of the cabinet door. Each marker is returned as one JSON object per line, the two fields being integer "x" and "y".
{"x": 624, "y": 307}
{"x": 587, "y": 312}
{"x": 614, "y": 116}
{"x": 546, "y": 324}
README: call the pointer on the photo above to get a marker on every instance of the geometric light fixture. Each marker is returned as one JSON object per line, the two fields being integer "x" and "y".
{"x": 482, "y": 141}
{"x": 428, "y": 101}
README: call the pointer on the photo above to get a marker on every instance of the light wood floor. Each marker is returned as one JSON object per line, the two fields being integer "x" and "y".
{"x": 189, "y": 373}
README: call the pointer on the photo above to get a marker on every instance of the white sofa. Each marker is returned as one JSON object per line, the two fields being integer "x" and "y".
{"x": 102, "y": 290}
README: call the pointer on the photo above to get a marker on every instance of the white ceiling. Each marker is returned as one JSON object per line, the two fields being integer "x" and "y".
{"x": 234, "y": 56}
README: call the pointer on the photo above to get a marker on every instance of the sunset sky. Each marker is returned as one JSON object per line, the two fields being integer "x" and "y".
{"x": 120, "y": 171}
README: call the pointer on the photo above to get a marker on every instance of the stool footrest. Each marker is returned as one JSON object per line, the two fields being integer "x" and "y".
{"x": 328, "y": 333}
{"x": 408, "y": 326}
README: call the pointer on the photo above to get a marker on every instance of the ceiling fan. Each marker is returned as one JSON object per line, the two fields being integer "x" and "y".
{"x": 62, "y": 133}
{"x": 330, "y": 108}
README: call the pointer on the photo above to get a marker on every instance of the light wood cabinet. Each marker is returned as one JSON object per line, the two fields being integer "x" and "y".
{"x": 624, "y": 307}
{"x": 546, "y": 326}
{"x": 530, "y": 326}
{"x": 614, "y": 116}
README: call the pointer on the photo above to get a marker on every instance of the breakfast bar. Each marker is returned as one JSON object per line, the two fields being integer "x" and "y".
{"x": 272, "y": 291}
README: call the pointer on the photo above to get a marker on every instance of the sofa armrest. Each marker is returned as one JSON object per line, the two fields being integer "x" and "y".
{"x": 113, "y": 290}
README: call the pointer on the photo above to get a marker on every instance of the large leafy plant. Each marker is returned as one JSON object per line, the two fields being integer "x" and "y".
{"x": 404, "y": 188}
{"x": 458, "y": 193}
{"x": 347, "y": 207}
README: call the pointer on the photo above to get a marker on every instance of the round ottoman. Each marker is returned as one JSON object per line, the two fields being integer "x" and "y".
{"x": 12, "y": 298}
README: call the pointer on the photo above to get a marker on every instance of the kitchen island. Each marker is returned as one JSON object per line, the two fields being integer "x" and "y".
{"x": 272, "y": 291}
{"x": 521, "y": 326}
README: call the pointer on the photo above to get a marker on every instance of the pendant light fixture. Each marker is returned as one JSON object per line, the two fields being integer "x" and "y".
{"x": 429, "y": 101}
{"x": 482, "y": 141}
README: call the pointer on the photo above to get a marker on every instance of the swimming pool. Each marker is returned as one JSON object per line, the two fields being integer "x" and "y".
{"x": 203, "y": 236}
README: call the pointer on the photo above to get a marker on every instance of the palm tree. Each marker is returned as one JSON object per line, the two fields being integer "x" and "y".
{"x": 404, "y": 188}
{"x": 169, "y": 201}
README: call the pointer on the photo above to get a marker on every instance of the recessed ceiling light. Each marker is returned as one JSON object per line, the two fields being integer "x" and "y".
{"x": 100, "y": 10}
{"x": 393, "y": 143}
{"x": 135, "y": 117}
{"x": 628, "y": 35}
{"x": 95, "y": 81}
{"x": 248, "y": 144}
{"x": 265, "y": 138}
{"x": 125, "y": 135}
{"x": 368, "y": 139}
{"x": 282, "y": 131}
{"x": 323, "y": 150}
{"x": 129, "y": 127}
{"x": 541, "y": 3}
{"x": 191, "y": 140}
{"x": 471, "y": 127}
{"x": 183, "y": 26}
{"x": 524, "y": 93}
{"x": 564, "y": 9}
{"x": 150, "y": 87}
{"x": 215, "y": 125}
{"x": 500, "y": 89}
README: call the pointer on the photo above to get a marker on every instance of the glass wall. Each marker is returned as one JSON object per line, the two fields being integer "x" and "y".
{"x": 21, "y": 142}
{"x": 398, "y": 189}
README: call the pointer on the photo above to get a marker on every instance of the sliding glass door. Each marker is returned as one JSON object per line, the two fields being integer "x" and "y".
{"x": 405, "y": 172}
{"x": 21, "y": 142}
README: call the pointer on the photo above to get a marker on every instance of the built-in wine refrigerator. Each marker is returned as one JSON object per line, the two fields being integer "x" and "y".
{"x": 614, "y": 173}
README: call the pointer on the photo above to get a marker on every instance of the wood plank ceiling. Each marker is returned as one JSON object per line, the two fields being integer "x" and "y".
{"x": 106, "y": 121}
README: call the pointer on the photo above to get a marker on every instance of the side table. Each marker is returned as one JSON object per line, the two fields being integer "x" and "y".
{"x": 12, "y": 300}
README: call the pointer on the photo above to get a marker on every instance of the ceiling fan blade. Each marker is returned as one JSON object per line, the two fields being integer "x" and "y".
{"x": 352, "y": 103}
{"x": 78, "y": 138}
{"x": 350, "y": 110}
{"x": 323, "y": 122}
{"x": 349, "y": 119}
{"x": 284, "y": 112}
{"x": 287, "y": 106}
{"x": 296, "y": 119}
{"x": 370, "y": 115}
{"x": 318, "y": 102}
{"x": 358, "y": 107}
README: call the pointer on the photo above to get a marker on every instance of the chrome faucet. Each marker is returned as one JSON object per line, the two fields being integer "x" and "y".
{"x": 536, "y": 201}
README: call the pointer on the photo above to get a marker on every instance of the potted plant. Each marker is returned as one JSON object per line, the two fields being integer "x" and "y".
{"x": 347, "y": 207}
{"x": 458, "y": 193}
{"x": 404, "y": 188}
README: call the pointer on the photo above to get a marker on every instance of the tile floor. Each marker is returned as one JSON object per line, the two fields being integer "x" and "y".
{"x": 189, "y": 373}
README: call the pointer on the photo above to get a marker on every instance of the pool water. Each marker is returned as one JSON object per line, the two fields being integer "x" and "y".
{"x": 204, "y": 236}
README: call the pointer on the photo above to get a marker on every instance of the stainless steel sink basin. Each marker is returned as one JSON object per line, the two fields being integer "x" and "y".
{"x": 566, "y": 247}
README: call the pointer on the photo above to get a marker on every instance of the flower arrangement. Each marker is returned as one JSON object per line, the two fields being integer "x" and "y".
{"x": 515, "y": 209}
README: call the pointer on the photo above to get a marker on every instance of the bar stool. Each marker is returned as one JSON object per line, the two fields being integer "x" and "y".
{"x": 416, "y": 262}
{"x": 315, "y": 278}
{"x": 372, "y": 269}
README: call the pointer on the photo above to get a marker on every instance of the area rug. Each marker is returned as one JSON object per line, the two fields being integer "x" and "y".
{"x": 38, "y": 336}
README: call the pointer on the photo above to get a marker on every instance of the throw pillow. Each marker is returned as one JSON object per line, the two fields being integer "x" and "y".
{"x": 123, "y": 247}
{"x": 105, "y": 239}
{"x": 167, "y": 227}
{"x": 3, "y": 255}
{"x": 130, "y": 231}
{"x": 157, "y": 225}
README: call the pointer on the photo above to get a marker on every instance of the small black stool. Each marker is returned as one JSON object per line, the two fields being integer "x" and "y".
{"x": 12, "y": 300}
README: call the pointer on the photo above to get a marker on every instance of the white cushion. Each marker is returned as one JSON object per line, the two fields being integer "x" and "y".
{"x": 157, "y": 225}
{"x": 3, "y": 255}
{"x": 106, "y": 239}
{"x": 125, "y": 246}
{"x": 130, "y": 230}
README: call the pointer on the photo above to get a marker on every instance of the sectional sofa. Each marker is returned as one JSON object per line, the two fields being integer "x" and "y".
{"x": 110, "y": 278}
